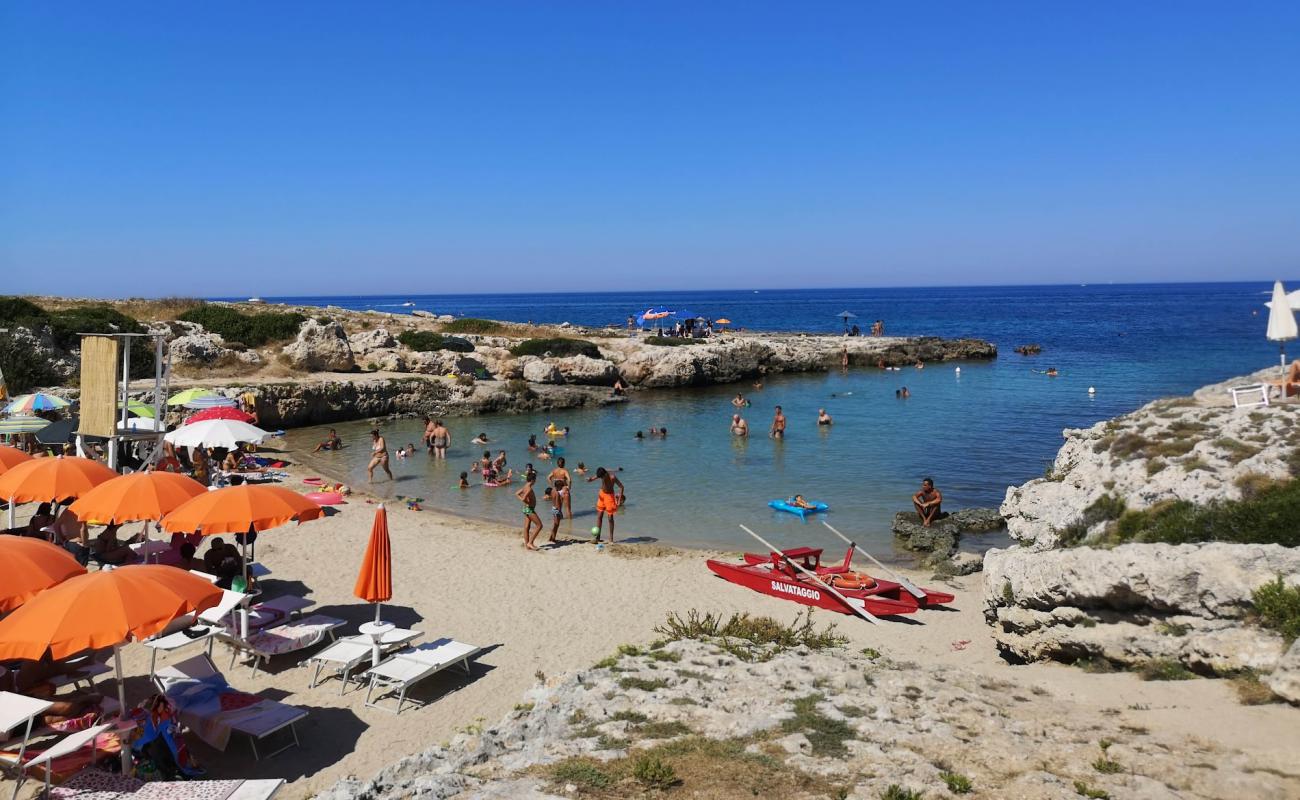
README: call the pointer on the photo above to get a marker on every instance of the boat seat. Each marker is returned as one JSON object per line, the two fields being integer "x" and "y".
{"x": 801, "y": 552}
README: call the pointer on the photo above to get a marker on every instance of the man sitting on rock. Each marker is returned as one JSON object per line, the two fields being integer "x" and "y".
{"x": 927, "y": 502}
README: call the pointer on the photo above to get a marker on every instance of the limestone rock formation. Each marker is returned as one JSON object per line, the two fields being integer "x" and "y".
{"x": 364, "y": 342}
{"x": 586, "y": 370}
{"x": 541, "y": 371}
{"x": 1137, "y": 602}
{"x": 197, "y": 349}
{"x": 942, "y": 536}
{"x": 320, "y": 347}
{"x": 1284, "y": 680}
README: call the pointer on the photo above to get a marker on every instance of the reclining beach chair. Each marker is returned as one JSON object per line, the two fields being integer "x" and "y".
{"x": 64, "y": 752}
{"x": 201, "y": 692}
{"x": 409, "y": 667}
{"x": 1290, "y": 383}
{"x": 351, "y": 652}
{"x": 18, "y": 710}
{"x": 282, "y": 639}
{"x": 268, "y": 613}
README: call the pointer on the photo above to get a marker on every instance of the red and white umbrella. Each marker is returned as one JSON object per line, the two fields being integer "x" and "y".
{"x": 224, "y": 412}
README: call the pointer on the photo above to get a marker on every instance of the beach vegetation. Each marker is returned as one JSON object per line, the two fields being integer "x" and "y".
{"x": 430, "y": 342}
{"x": 1127, "y": 445}
{"x": 253, "y": 330}
{"x": 653, "y": 772}
{"x": 1082, "y": 789}
{"x": 523, "y": 708}
{"x": 585, "y": 773}
{"x": 644, "y": 684}
{"x": 751, "y": 638}
{"x": 606, "y": 742}
{"x": 825, "y": 734}
{"x": 1095, "y": 665}
{"x": 1164, "y": 669}
{"x": 465, "y": 379}
{"x": 671, "y": 341}
{"x": 1169, "y": 448}
{"x": 1186, "y": 427}
{"x": 474, "y": 325}
{"x": 661, "y": 729}
{"x": 1278, "y": 608}
{"x": 22, "y": 372}
{"x": 1251, "y": 691}
{"x": 1271, "y": 516}
{"x": 664, "y": 655}
{"x": 629, "y": 716}
{"x": 1156, "y": 465}
{"x": 1235, "y": 451}
{"x": 1106, "y": 766}
{"x": 557, "y": 347}
{"x": 1193, "y": 464}
{"x": 895, "y": 792}
{"x": 1104, "y": 509}
{"x": 1252, "y": 484}
{"x": 63, "y": 326}
{"x": 1173, "y": 629}
{"x": 956, "y": 782}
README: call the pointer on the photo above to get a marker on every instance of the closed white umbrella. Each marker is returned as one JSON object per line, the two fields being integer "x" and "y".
{"x": 227, "y": 433}
{"x": 1281, "y": 320}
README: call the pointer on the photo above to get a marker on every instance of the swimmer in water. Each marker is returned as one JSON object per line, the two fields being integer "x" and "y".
{"x": 480, "y": 439}
{"x": 464, "y": 481}
{"x": 1051, "y": 372}
{"x": 739, "y": 427}
{"x": 823, "y": 418}
{"x": 739, "y": 400}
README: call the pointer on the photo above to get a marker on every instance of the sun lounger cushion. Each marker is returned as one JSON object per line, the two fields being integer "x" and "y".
{"x": 212, "y": 709}
{"x": 94, "y": 784}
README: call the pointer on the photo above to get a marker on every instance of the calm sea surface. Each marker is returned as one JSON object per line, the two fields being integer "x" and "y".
{"x": 977, "y": 432}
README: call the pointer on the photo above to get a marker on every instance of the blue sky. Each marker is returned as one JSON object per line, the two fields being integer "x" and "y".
{"x": 318, "y": 147}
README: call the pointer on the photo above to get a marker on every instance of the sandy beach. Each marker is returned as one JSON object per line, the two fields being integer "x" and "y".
{"x": 539, "y": 615}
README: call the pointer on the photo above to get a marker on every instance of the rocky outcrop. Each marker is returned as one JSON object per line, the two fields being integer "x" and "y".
{"x": 1166, "y": 450}
{"x": 542, "y": 371}
{"x": 1284, "y": 680}
{"x": 825, "y": 723}
{"x": 365, "y": 342}
{"x": 39, "y": 342}
{"x": 1137, "y": 603}
{"x": 320, "y": 347}
{"x": 941, "y": 537}
{"x": 586, "y": 370}
{"x": 197, "y": 349}
{"x": 443, "y": 362}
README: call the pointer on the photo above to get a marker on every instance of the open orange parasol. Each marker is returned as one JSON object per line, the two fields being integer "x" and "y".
{"x": 31, "y": 566}
{"x": 11, "y": 457}
{"x": 375, "y": 581}
{"x": 103, "y": 609}
{"x": 49, "y": 480}
{"x": 238, "y": 509}
{"x": 142, "y": 496}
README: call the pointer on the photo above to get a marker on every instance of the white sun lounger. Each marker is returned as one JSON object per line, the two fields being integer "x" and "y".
{"x": 94, "y": 784}
{"x": 18, "y": 710}
{"x": 65, "y": 746}
{"x": 257, "y": 722}
{"x": 409, "y": 667}
{"x": 290, "y": 637}
{"x": 351, "y": 652}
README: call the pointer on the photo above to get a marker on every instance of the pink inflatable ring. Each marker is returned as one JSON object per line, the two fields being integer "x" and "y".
{"x": 325, "y": 498}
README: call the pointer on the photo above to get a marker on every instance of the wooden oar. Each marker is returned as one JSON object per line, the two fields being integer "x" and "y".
{"x": 861, "y": 612}
{"x": 904, "y": 582}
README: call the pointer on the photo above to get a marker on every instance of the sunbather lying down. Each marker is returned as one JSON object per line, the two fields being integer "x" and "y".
{"x": 33, "y": 679}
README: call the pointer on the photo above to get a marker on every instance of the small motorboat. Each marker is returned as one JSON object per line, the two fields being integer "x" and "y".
{"x": 785, "y": 505}
{"x": 774, "y": 574}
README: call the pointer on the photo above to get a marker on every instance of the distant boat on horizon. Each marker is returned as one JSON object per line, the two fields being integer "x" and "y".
{"x": 256, "y": 300}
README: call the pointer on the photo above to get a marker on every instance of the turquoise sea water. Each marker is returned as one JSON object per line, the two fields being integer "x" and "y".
{"x": 976, "y": 432}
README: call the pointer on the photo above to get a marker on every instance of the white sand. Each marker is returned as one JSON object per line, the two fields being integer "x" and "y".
{"x": 549, "y": 612}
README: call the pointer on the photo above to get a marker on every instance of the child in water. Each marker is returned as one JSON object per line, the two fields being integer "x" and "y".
{"x": 798, "y": 502}
{"x": 464, "y": 481}
{"x": 557, "y": 509}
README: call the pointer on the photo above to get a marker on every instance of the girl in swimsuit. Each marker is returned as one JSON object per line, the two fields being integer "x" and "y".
{"x": 378, "y": 456}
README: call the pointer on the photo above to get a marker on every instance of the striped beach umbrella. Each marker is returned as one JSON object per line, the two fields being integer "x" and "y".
{"x": 37, "y": 401}
{"x": 22, "y": 424}
{"x": 215, "y": 401}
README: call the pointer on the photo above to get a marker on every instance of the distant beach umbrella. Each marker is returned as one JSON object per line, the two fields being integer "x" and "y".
{"x": 139, "y": 409}
{"x": 23, "y": 424}
{"x": 181, "y": 398}
{"x": 722, "y": 322}
{"x": 214, "y": 401}
{"x": 37, "y": 401}
{"x": 59, "y": 433}
{"x": 1281, "y": 320}
{"x": 227, "y": 433}
{"x": 221, "y": 412}
{"x": 846, "y": 316}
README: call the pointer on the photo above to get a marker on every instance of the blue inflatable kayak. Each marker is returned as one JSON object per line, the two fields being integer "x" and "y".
{"x": 781, "y": 505}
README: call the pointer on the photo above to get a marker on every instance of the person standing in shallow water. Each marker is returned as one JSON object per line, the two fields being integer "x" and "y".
{"x": 439, "y": 439}
{"x": 378, "y": 456}
{"x": 607, "y": 502}
{"x": 927, "y": 502}
{"x": 558, "y": 475}
{"x": 778, "y": 424}
{"x": 528, "y": 497}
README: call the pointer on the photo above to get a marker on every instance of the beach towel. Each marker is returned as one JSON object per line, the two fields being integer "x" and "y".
{"x": 209, "y": 707}
{"x": 293, "y": 636}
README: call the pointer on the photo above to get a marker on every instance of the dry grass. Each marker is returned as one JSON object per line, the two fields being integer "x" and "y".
{"x": 143, "y": 309}
{"x": 1251, "y": 691}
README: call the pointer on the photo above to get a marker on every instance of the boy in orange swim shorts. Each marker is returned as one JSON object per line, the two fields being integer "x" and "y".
{"x": 607, "y": 502}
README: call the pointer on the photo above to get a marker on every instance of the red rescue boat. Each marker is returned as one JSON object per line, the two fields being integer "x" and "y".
{"x": 774, "y": 575}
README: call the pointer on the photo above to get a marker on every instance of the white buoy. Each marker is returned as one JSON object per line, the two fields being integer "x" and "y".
{"x": 957, "y": 370}
{"x": 1092, "y": 390}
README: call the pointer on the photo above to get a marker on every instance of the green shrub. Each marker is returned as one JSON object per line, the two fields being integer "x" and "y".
{"x": 519, "y": 387}
{"x": 642, "y": 683}
{"x": 826, "y": 735}
{"x": 1104, "y": 509}
{"x": 1251, "y": 691}
{"x": 957, "y": 784}
{"x": 253, "y": 330}
{"x": 1164, "y": 669}
{"x": 22, "y": 372}
{"x": 1084, "y": 790}
{"x": 1270, "y": 516}
{"x": 671, "y": 341}
{"x": 654, "y": 773}
{"x": 750, "y": 638}
{"x": 64, "y": 326}
{"x": 428, "y": 342}
{"x": 896, "y": 792}
{"x": 558, "y": 347}
{"x": 1278, "y": 606}
{"x": 465, "y": 380}
{"x": 18, "y": 310}
{"x": 582, "y": 773}
{"x": 473, "y": 325}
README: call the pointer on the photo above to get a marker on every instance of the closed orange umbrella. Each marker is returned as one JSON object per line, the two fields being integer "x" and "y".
{"x": 239, "y": 509}
{"x": 49, "y": 480}
{"x": 103, "y": 609}
{"x": 11, "y": 457}
{"x": 142, "y": 496}
{"x": 31, "y": 566}
{"x": 375, "y": 581}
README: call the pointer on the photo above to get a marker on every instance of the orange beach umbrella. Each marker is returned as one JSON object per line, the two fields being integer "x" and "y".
{"x": 51, "y": 480}
{"x": 238, "y": 509}
{"x": 31, "y": 566}
{"x": 129, "y": 498}
{"x": 375, "y": 581}
{"x": 103, "y": 609}
{"x": 11, "y": 457}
